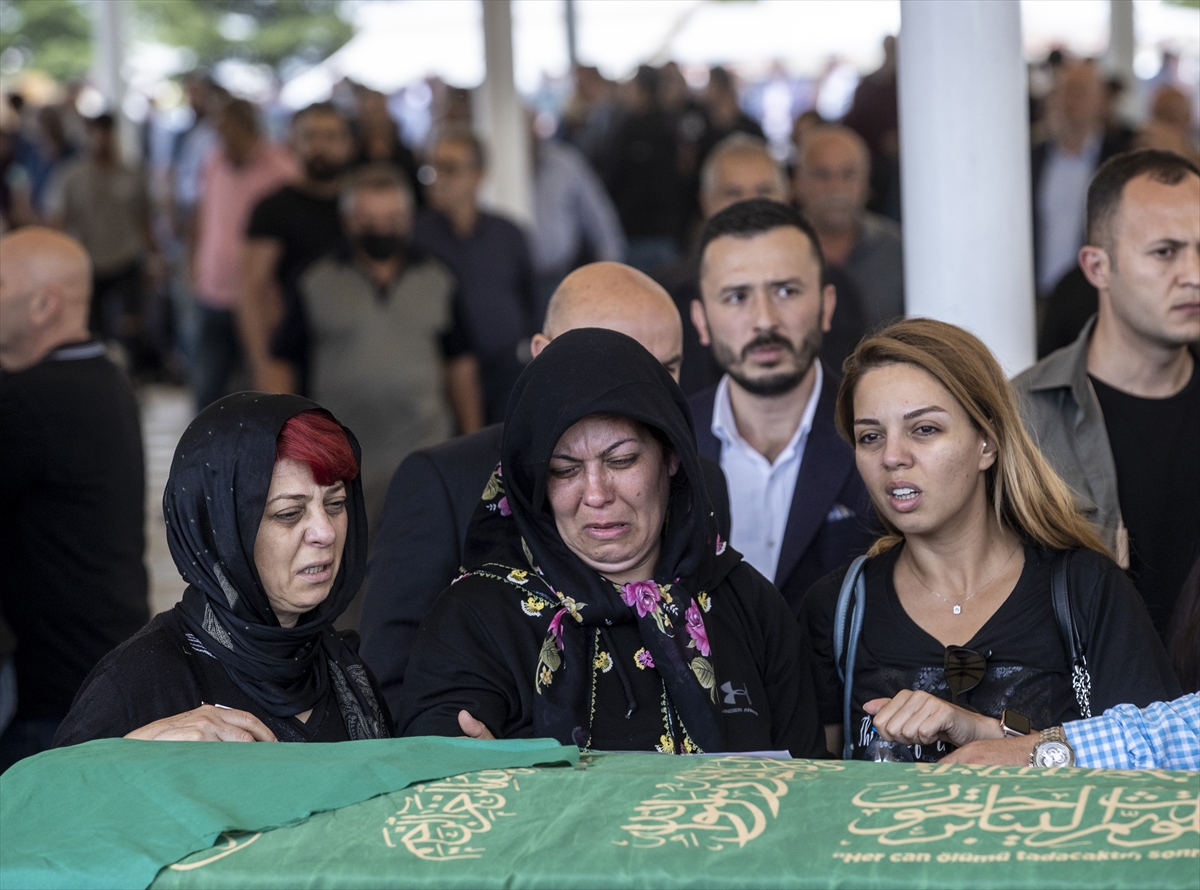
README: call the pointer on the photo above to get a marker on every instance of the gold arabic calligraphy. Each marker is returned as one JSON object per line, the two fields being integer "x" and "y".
{"x": 439, "y": 820}
{"x": 725, "y": 801}
{"x": 1034, "y": 811}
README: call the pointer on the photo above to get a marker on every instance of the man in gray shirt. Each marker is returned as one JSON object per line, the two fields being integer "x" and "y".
{"x": 379, "y": 321}
{"x": 831, "y": 184}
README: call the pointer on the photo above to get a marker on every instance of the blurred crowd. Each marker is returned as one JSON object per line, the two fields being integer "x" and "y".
{"x": 231, "y": 260}
{"x": 335, "y": 260}
{"x": 625, "y": 171}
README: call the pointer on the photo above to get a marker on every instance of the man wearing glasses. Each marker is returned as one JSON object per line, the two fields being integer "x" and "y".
{"x": 488, "y": 255}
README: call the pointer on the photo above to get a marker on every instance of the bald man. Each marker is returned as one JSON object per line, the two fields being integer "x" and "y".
{"x": 433, "y": 495}
{"x": 832, "y": 185}
{"x": 72, "y": 497}
{"x": 619, "y": 298}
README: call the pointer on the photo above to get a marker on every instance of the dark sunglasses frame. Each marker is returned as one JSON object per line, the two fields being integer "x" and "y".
{"x": 965, "y": 669}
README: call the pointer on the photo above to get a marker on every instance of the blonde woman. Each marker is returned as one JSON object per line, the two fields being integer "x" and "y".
{"x": 959, "y": 639}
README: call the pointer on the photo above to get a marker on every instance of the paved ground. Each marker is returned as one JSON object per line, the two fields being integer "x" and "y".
{"x": 166, "y": 412}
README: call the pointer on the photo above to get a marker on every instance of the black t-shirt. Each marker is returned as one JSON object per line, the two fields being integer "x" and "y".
{"x": 72, "y": 519}
{"x": 308, "y": 227}
{"x": 1027, "y": 668}
{"x": 163, "y": 671}
{"x": 1156, "y": 449}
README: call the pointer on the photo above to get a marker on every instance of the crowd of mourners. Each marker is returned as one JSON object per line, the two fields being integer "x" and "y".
{"x": 665, "y": 470}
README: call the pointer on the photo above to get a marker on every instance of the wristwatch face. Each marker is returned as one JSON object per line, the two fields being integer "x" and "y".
{"x": 1014, "y": 724}
{"x": 1053, "y": 754}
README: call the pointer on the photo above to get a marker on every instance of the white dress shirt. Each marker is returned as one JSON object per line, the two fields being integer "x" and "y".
{"x": 760, "y": 492}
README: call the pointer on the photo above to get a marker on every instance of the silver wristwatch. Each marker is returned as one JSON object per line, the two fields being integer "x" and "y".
{"x": 1053, "y": 749}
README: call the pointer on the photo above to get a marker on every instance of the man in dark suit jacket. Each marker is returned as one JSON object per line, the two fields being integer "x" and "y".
{"x": 433, "y": 495}
{"x": 799, "y": 508}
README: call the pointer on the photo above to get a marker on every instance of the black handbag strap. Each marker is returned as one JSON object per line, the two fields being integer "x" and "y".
{"x": 1068, "y": 630}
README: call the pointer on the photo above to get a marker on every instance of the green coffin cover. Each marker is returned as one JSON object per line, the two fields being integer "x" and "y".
{"x": 646, "y": 820}
{"x": 111, "y": 813}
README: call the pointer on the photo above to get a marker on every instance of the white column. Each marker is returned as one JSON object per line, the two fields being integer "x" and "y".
{"x": 964, "y": 153}
{"x": 108, "y": 33}
{"x": 1118, "y": 60}
{"x": 501, "y": 119}
{"x": 572, "y": 33}
{"x": 108, "y": 43}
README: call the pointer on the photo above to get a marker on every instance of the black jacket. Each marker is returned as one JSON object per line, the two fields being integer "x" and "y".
{"x": 418, "y": 549}
{"x": 831, "y": 520}
{"x": 72, "y": 520}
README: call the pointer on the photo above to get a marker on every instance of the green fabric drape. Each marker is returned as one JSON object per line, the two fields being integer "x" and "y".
{"x": 469, "y": 814}
{"x": 112, "y": 812}
{"x": 652, "y": 821}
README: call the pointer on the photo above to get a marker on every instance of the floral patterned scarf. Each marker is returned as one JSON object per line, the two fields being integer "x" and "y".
{"x": 513, "y": 538}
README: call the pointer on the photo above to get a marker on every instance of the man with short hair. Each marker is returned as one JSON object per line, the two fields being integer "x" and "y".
{"x": 105, "y": 205}
{"x": 640, "y": 167}
{"x": 378, "y": 325}
{"x": 832, "y": 184}
{"x": 1117, "y": 413}
{"x": 191, "y": 148}
{"x": 72, "y": 488}
{"x": 488, "y": 255}
{"x": 738, "y": 168}
{"x": 723, "y": 112}
{"x": 243, "y": 170}
{"x": 799, "y": 508}
{"x": 1061, "y": 165}
{"x": 433, "y": 495}
{"x": 288, "y": 231}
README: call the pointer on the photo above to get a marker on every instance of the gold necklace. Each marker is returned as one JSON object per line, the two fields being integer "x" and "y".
{"x": 958, "y": 606}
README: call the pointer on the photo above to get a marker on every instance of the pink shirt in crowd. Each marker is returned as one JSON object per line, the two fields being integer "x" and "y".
{"x": 229, "y": 195}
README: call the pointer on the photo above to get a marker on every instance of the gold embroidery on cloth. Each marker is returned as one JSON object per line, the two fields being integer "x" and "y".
{"x": 440, "y": 820}
{"x": 726, "y": 802}
{"x": 1031, "y": 809}
{"x": 233, "y": 844}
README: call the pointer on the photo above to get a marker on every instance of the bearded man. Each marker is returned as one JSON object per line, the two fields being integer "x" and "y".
{"x": 799, "y": 509}
{"x": 288, "y": 231}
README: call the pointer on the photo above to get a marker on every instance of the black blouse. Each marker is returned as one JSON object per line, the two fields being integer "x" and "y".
{"x": 163, "y": 671}
{"x": 478, "y": 649}
{"x": 1027, "y": 668}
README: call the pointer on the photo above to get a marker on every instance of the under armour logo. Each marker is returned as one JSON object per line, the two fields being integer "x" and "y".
{"x": 731, "y": 694}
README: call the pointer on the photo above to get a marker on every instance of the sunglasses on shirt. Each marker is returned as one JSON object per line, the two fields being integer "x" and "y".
{"x": 964, "y": 671}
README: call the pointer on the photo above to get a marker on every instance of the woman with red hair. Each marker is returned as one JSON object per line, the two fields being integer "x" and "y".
{"x": 265, "y": 522}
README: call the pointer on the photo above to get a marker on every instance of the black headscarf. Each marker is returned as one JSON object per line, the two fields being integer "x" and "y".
{"x": 584, "y": 372}
{"x": 213, "y": 505}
